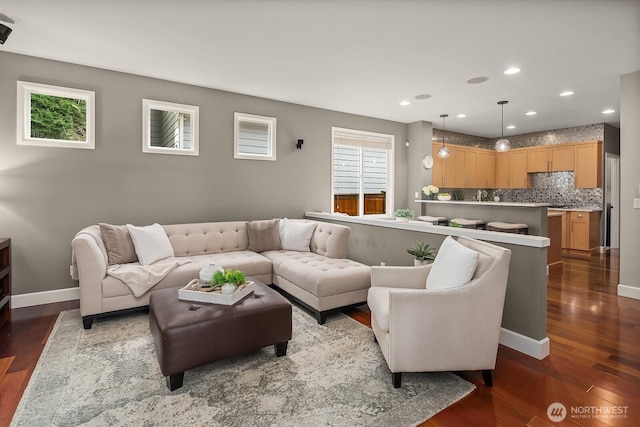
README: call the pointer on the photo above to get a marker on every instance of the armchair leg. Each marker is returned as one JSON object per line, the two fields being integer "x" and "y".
{"x": 396, "y": 378}
{"x": 486, "y": 376}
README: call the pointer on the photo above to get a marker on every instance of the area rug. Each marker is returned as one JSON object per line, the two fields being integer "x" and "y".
{"x": 332, "y": 375}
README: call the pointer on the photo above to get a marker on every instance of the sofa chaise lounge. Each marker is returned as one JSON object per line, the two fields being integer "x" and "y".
{"x": 321, "y": 278}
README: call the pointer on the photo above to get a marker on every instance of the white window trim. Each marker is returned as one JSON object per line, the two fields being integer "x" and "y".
{"x": 270, "y": 121}
{"x": 191, "y": 110}
{"x": 376, "y": 139}
{"x": 23, "y": 125}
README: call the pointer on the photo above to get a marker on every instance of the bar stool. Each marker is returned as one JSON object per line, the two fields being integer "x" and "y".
{"x": 468, "y": 223}
{"x": 507, "y": 227}
{"x": 435, "y": 220}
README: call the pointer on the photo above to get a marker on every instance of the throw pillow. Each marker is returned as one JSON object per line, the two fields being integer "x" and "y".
{"x": 118, "y": 243}
{"x": 151, "y": 243}
{"x": 296, "y": 235}
{"x": 264, "y": 235}
{"x": 454, "y": 265}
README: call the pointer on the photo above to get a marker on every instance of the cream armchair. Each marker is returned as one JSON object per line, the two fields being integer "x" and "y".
{"x": 424, "y": 329}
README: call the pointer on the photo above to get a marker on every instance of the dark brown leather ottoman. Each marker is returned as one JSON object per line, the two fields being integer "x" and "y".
{"x": 190, "y": 334}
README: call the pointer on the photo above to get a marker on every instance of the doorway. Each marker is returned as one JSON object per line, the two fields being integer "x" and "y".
{"x": 612, "y": 201}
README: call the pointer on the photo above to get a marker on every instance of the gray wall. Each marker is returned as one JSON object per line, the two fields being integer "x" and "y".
{"x": 48, "y": 194}
{"x": 629, "y": 179}
{"x": 417, "y": 177}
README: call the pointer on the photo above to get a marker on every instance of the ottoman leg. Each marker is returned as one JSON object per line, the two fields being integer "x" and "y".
{"x": 281, "y": 348}
{"x": 174, "y": 381}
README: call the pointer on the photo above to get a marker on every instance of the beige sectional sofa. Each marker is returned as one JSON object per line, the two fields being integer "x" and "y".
{"x": 322, "y": 278}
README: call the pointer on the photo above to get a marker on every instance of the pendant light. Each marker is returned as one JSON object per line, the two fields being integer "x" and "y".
{"x": 503, "y": 143}
{"x": 443, "y": 152}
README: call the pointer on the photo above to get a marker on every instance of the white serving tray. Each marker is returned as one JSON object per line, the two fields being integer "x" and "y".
{"x": 189, "y": 294}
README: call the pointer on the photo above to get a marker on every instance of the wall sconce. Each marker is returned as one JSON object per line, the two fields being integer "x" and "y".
{"x": 299, "y": 144}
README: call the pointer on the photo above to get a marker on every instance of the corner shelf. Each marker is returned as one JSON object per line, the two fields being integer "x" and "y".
{"x": 5, "y": 280}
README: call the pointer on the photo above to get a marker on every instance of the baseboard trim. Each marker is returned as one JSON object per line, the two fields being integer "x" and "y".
{"x": 538, "y": 349}
{"x": 628, "y": 291}
{"x": 45, "y": 297}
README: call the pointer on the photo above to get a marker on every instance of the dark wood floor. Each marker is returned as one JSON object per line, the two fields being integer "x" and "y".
{"x": 594, "y": 361}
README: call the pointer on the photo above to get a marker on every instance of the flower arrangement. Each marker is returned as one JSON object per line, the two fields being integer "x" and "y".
{"x": 430, "y": 191}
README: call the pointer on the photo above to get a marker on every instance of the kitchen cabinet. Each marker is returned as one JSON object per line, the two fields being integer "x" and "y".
{"x": 466, "y": 167}
{"x": 584, "y": 233}
{"x": 564, "y": 244}
{"x": 511, "y": 169}
{"x": 553, "y": 158}
{"x": 588, "y": 164}
{"x": 485, "y": 169}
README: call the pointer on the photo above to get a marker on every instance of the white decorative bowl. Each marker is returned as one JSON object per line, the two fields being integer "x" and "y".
{"x": 444, "y": 198}
{"x": 228, "y": 289}
{"x": 402, "y": 219}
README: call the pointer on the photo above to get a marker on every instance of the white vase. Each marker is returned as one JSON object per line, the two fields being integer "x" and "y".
{"x": 402, "y": 219}
{"x": 417, "y": 262}
{"x": 228, "y": 288}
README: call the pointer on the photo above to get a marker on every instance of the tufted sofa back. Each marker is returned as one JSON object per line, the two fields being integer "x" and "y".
{"x": 207, "y": 237}
{"x": 330, "y": 240}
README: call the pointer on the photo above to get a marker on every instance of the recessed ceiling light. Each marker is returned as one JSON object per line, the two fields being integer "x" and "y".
{"x": 511, "y": 127}
{"x": 609, "y": 111}
{"x": 476, "y": 80}
{"x": 404, "y": 103}
{"x": 567, "y": 93}
{"x": 423, "y": 96}
{"x": 461, "y": 116}
{"x": 512, "y": 70}
{"x": 530, "y": 113}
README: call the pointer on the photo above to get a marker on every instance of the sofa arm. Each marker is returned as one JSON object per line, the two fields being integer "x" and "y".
{"x": 400, "y": 277}
{"x": 91, "y": 265}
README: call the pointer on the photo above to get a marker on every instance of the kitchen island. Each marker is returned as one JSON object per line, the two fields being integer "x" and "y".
{"x": 532, "y": 214}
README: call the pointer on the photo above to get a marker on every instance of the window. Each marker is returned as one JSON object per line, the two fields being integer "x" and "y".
{"x": 254, "y": 137}
{"x": 169, "y": 128}
{"x": 361, "y": 172}
{"x": 54, "y": 116}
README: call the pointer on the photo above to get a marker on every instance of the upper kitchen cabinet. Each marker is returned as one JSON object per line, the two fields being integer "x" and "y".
{"x": 466, "y": 167}
{"x": 485, "y": 169}
{"x": 511, "y": 169}
{"x": 554, "y": 158}
{"x": 588, "y": 164}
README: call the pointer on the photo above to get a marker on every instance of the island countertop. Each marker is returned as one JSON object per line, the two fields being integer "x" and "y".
{"x": 486, "y": 203}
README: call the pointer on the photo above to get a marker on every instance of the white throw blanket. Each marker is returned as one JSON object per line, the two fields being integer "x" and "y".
{"x": 141, "y": 278}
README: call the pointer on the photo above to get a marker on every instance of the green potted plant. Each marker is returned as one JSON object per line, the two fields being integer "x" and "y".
{"x": 229, "y": 280}
{"x": 457, "y": 195}
{"x": 403, "y": 214}
{"x": 423, "y": 253}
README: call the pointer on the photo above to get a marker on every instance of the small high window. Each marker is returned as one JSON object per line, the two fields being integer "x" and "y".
{"x": 54, "y": 116}
{"x": 254, "y": 137}
{"x": 169, "y": 128}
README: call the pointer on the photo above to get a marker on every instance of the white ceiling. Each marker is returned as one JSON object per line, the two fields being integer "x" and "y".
{"x": 361, "y": 57}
